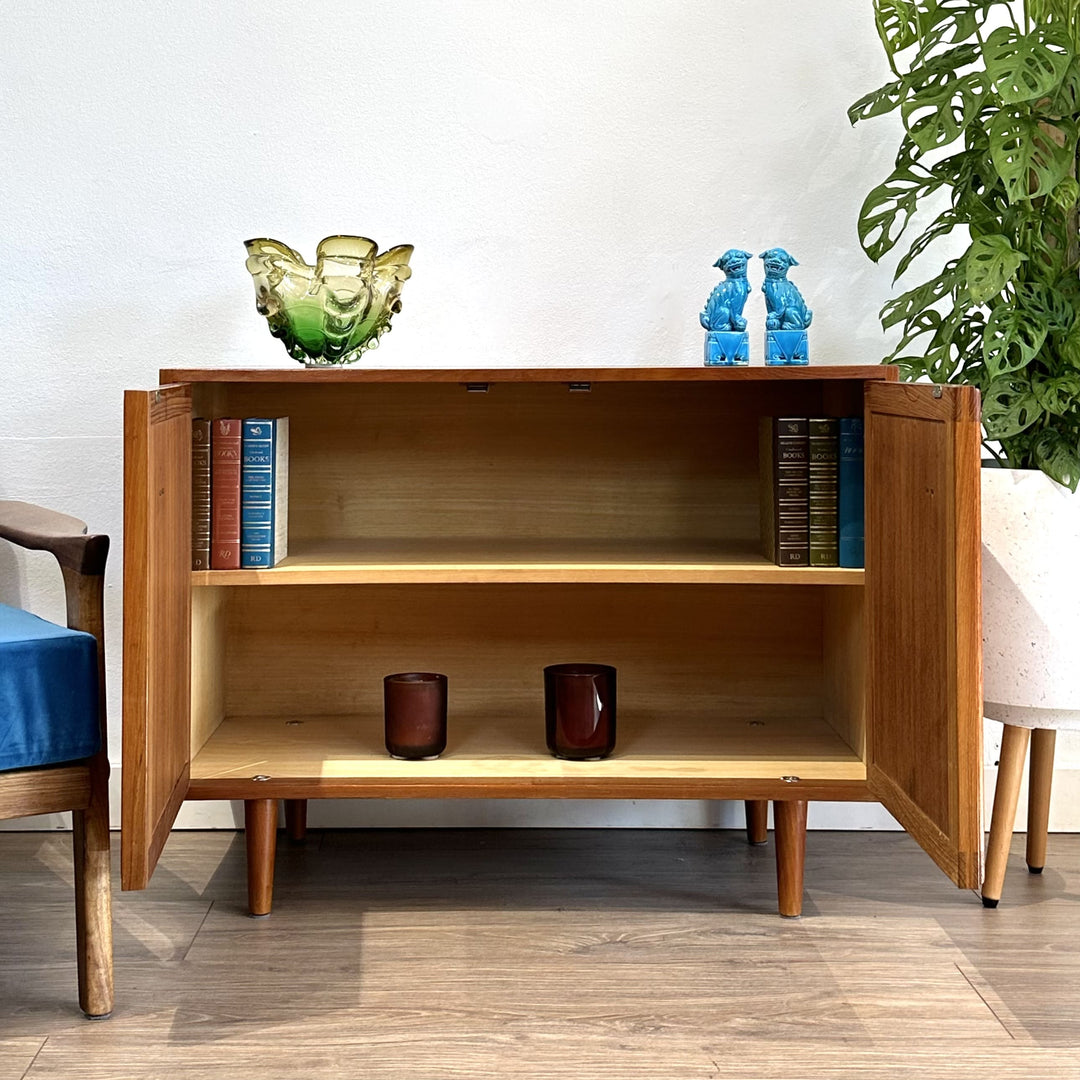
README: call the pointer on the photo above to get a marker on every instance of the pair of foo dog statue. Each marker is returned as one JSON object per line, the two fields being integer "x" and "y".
{"x": 727, "y": 342}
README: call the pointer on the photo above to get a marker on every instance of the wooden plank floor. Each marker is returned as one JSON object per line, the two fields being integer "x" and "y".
{"x": 547, "y": 954}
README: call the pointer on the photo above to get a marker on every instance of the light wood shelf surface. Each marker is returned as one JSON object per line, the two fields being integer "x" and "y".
{"x": 699, "y": 746}
{"x": 577, "y": 375}
{"x": 508, "y": 561}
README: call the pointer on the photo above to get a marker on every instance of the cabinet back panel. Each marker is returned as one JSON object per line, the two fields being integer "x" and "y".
{"x": 526, "y": 460}
{"x": 751, "y": 652}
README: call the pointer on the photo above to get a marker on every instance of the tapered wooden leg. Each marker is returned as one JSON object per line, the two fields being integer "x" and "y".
{"x": 789, "y": 820}
{"x": 93, "y": 904}
{"x": 1014, "y": 745}
{"x": 260, "y": 827}
{"x": 296, "y": 819}
{"x": 757, "y": 821}
{"x": 1040, "y": 779}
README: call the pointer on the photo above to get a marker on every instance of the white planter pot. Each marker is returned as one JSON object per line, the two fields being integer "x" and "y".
{"x": 1031, "y": 599}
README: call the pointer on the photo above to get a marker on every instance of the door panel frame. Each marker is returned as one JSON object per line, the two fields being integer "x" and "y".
{"x": 957, "y": 849}
{"x": 157, "y": 623}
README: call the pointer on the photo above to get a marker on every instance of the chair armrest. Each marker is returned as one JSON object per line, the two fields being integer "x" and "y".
{"x": 82, "y": 562}
{"x": 39, "y": 529}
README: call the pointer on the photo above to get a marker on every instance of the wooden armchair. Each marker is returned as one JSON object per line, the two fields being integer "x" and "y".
{"x": 81, "y": 786}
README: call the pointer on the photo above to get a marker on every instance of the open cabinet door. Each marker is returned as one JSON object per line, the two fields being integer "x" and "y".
{"x": 924, "y": 754}
{"x": 157, "y": 623}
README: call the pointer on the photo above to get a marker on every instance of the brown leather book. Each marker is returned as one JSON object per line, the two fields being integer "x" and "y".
{"x": 824, "y": 452}
{"x": 225, "y": 464}
{"x": 200, "y": 494}
{"x": 785, "y": 503}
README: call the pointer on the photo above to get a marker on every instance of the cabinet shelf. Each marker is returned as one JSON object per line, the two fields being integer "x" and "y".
{"x": 691, "y": 755}
{"x": 447, "y": 561}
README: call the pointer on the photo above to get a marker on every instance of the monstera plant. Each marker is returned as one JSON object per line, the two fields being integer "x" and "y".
{"x": 989, "y": 95}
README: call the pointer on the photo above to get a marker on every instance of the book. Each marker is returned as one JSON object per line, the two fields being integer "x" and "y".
{"x": 823, "y": 456}
{"x": 225, "y": 452}
{"x": 784, "y": 475}
{"x": 200, "y": 494}
{"x": 264, "y": 492}
{"x": 850, "y": 508}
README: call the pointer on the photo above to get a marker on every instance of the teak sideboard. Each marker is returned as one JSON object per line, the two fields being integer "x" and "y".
{"x": 487, "y": 523}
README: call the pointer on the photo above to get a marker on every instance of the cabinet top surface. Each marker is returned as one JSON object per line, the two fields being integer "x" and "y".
{"x": 504, "y": 375}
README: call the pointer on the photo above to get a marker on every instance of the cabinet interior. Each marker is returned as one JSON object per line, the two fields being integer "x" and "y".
{"x": 751, "y": 680}
{"x": 661, "y": 474}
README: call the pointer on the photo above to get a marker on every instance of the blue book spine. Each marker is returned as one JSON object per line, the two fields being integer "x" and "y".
{"x": 257, "y": 494}
{"x": 851, "y": 493}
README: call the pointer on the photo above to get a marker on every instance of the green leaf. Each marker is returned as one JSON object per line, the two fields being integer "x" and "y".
{"x": 940, "y": 364}
{"x": 1028, "y": 157}
{"x": 944, "y": 225}
{"x": 1012, "y": 339}
{"x": 991, "y": 265}
{"x": 906, "y": 305}
{"x": 967, "y": 339}
{"x": 907, "y": 157}
{"x": 897, "y": 24}
{"x": 1060, "y": 396}
{"x": 911, "y": 367}
{"x": 1026, "y": 67}
{"x": 1042, "y": 234}
{"x": 1058, "y": 458}
{"x": 1008, "y": 407}
{"x": 1066, "y": 194}
{"x": 920, "y": 324}
{"x": 878, "y": 102}
{"x": 1070, "y": 346}
{"x": 888, "y": 208}
{"x": 1066, "y": 99}
{"x": 927, "y": 70}
{"x": 939, "y": 116}
{"x": 1046, "y": 303}
{"x": 943, "y": 21}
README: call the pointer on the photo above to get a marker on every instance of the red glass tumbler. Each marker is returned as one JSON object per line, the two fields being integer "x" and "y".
{"x": 579, "y": 710}
{"x": 414, "y": 706}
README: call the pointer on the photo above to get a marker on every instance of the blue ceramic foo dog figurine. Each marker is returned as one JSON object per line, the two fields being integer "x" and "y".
{"x": 787, "y": 314}
{"x": 726, "y": 339}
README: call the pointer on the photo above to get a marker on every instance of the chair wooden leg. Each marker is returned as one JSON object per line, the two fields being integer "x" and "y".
{"x": 93, "y": 906}
{"x": 757, "y": 821}
{"x": 260, "y": 830}
{"x": 1014, "y": 745}
{"x": 296, "y": 819}
{"x": 789, "y": 820}
{"x": 1040, "y": 779}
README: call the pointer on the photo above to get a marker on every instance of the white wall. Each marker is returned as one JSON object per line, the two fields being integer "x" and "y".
{"x": 567, "y": 171}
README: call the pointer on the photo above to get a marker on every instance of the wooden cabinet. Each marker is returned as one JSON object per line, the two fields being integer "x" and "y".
{"x": 487, "y": 523}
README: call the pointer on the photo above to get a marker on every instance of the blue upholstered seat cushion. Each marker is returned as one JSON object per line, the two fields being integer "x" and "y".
{"x": 48, "y": 692}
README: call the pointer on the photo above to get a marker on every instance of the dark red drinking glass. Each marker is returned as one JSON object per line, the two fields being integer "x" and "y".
{"x": 414, "y": 705}
{"x": 579, "y": 710}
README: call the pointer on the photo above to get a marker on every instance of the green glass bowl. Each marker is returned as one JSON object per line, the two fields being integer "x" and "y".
{"x": 329, "y": 313}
